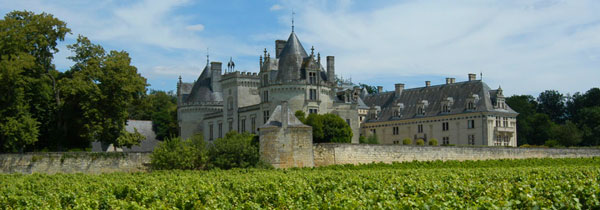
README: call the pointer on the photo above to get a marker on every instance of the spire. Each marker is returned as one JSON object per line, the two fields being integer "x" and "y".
{"x": 312, "y": 51}
{"x": 290, "y": 59}
{"x": 207, "y": 62}
{"x": 293, "y": 13}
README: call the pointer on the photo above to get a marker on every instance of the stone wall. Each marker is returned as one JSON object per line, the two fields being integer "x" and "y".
{"x": 74, "y": 162}
{"x": 329, "y": 154}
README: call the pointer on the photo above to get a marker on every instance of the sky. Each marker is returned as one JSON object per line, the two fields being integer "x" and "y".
{"x": 524, "y": 46}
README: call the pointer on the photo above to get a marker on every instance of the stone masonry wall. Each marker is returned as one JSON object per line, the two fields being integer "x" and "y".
{"x": 73, "y": 162}
{"x": 329, "y": 154}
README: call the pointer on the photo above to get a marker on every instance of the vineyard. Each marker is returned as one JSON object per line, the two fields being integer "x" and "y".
{"x": 530, "y": 183}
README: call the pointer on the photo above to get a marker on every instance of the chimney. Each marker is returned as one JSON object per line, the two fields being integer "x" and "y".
{"x": 472, "y": 77}
{"x": 452, "y": 80}
{"x": 331, "y": 69}
{"x": 379, "y": 89}
{"x": 398, "y": 88}
{"x": 448, "y": 80}
{"x": 427, "y": 83}
{"x": 215, "y": 70}
{"x": 279, "y": 44}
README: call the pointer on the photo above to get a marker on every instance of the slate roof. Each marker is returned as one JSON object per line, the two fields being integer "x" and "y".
{"x": 202, "y": 89}
{"x": 458, "y": 93}
{"x": 291, "y": 59}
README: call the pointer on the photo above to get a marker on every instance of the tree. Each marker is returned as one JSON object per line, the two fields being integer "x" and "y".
{"x": 234, "y": 151}
{"x": 552, "y": 103}
{"x": 300, "y": 115}
{"x": 526, "y": 106}
{"x": 127, "y": 139}
{"x": 590, "y": 125}
{"x": 578, "y": 101}
{"x": 164, "y": 113}
{"x": 567, "y": 134}
{"x": 329, "y": 128}
{"x": 99, "y": 89}
{"x": 541, "y": 129}
{"x": 29, "y": 95}
{"x": 370, "y": 89}
{"x": 175, "y": 153}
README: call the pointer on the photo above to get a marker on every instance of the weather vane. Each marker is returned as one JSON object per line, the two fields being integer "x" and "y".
{"x": 293, "y": 13}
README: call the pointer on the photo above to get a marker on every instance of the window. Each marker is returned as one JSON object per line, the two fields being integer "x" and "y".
{"x": 445, "y": 108}
{"x": 312, "y": 111}
{"x": 471, "y": 124}
{"x": 445, "y": 126}
{"x": 497, "y": 121}
{"x": 266, "y": 96}
{"x": 253, "y": 124}
{"x": 470, "y": 105}
{"x": 230, "y": 104}
{"x": 265, "y": 116}
{"x": 396, "y": 113}
{"x": 506, "y": 140}
{"x": 210, "y": 131}
{"x": 243, "y": 125}
{"x": 420, "y": 111}
{"x": 230, "y": 125}
{"x": 445, "y": 140}
{"x": 220, "y": 130}
{"x": 471, "y": 139}
{"x": 396, "y": 142}
{"x": 348, "y": 122}
{"x": 395, "y": 130}
{"x": 312, "y": 77}
{"x": 420, "y": 128}
{"x": 313, "y": 94}
{"x": 505, "y": 122}
{"x": 373, "y": 131}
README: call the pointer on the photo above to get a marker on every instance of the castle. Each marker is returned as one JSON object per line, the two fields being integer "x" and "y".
{"x": 461, "y": 113}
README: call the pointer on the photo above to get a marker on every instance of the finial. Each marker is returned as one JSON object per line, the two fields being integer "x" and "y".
{"x": 179, "y": 78}
{"x": 265, "y": 53}
{"x": 207, "y": 56}
{"x": 481, "y": 76}
{"x": 312, "y": 50}
{"x": 293, "y": 13}
{"x": 319, "y": 57}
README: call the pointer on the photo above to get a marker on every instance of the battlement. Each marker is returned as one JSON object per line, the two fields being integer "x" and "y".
{"x": 239, "y": 74}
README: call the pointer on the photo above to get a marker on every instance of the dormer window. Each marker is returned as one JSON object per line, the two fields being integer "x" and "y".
{"x": 445, "y": 108}
{"x": 421, "y": 107}
{"x": 470, "y": 105}
{"x": 312, "y": 77}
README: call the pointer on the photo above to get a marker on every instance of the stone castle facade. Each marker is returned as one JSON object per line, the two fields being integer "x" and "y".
{"x": 461, "y": 113}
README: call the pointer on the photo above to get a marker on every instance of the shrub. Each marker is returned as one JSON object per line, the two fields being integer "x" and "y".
{"x": 176, "y": 153}
{"x": 406, "y": 141}
{"x": 329, "y": 128}
{"x": 433, "y": 142}
{"x": 420, "y": 142}
{"x": 369, "y": 140}
{"x": 551, "y": 143}
{"x": 362, "y": 140}
{"x": 234, "y": 151}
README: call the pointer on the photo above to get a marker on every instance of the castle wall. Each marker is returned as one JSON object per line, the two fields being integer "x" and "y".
{"x": 330, "y": 154}
{"x": 74, "y": 162}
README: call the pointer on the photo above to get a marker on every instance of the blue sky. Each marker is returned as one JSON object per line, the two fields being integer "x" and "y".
{"x": 526, "y": 46}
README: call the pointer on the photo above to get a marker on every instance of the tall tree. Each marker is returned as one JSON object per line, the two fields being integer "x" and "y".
{"x": 100, "y": 88}
{"x": 552, "y": 103}
{"x": 329, "y": 128}
{"x": 590, "y": 125}
{"x": 525, "y": 105}
{"x": 27, "y": 44}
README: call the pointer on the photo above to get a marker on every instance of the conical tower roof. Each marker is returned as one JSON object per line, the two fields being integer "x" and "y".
{"x": 290, "y": 59}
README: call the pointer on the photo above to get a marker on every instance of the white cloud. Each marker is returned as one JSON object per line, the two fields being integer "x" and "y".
{"x": 196, "y": 27}
{"x": 276, "y": 7}
{"x": 525, "y": 46}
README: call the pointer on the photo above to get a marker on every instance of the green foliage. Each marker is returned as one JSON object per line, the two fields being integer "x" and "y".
{"x": 420, "y": 142}
{"x": 525, "y": 105}
{"x": 589, "y": 122}
{"x": 234, "y": 151}
{"x": 552, "y": 103}
{"x": 369, "y": 140}
{"x": 567, "y": 134}
{"x": 552, "y": 143}
{"x": 406, "y": 141}
{"x": 329, "y": 128}
{"x": 566, "y": 183}
{"x": 127, "y": 139}
{"x": 300, "y": 115}
{"x": 27, "y": 78}
{"x": 370, "y": 89}
{"x": 433, "y": 142}
{"x": 160, "y": 107}
{"x": 176, "y": 153}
